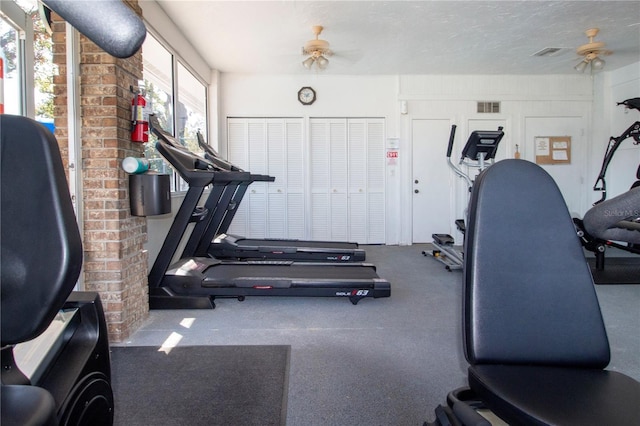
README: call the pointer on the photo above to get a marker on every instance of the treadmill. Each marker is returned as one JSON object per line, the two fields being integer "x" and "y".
{"x": 217, "y": 242}
{"x": 195, "y": 282}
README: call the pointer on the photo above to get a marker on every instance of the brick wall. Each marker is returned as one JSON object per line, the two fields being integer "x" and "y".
{"x": 115, "y": 263}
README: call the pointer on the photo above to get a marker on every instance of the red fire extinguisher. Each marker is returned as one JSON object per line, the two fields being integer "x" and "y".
{"x": 140, "y": 119}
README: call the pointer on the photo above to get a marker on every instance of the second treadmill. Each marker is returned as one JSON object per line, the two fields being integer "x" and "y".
{"x": 217, "y": 242}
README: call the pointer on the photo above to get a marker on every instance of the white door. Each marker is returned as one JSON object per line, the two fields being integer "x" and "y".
{"x": 439, "y": 196}
{"x": 272, "y": 146}
{"x": 432, "y": 201}
{"x": 257, "y": 196}
{"x": 357, "y": 190}
{"x": 329, "y": 179}
{"x": 347, "y": 179}
{"x": 295, "y": 178}
{"x": 375, "y": 182}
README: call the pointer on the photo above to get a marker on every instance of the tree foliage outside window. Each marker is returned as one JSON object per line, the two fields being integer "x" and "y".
{"x": 44, "y": 68}
{"x": 11, "y": 79}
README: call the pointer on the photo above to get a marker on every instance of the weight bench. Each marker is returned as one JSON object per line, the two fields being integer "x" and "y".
{"x": 533, "y": 332}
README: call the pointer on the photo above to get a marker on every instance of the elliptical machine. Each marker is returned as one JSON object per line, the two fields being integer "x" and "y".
{"x": 479, "y": 153}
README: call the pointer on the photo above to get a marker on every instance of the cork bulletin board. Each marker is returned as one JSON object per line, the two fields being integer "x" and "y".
{"x": 553, "y": 149}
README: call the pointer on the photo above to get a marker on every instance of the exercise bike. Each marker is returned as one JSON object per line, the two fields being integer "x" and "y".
{"x": 54, "y": 345}
{"x": 478, "y": 153}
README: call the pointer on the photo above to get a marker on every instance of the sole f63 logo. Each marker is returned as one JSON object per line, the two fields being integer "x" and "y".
{"x": 361, "y": 293}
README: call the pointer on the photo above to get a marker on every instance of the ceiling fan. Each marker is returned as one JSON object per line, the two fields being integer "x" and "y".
{"x": 591, "y": 52}
{"x": 317, "y": 50}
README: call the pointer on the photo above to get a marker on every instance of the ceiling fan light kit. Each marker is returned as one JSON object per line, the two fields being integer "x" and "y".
{"x": 317, "y": 49}
{"x": 307, "y": 63}
{"x": 591, "y": 52}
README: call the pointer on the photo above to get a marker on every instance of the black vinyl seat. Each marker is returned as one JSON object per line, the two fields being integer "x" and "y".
{"x": 533, "y": 331}
{"x": 41, "y": 260}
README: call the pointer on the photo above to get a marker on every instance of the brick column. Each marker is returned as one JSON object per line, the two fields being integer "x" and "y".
{"x": 115, "y": 263}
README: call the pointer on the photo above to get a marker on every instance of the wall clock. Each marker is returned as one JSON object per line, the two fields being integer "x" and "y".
{"x": 306, "y": 95}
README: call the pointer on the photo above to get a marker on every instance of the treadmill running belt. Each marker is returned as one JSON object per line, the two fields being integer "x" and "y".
{"x": 286, "y": 243}
{"x": 226, "y": 273}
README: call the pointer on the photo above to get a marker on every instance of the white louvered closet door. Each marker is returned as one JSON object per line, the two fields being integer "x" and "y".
{"x": 329, "y": 179}
{"x": 256, "y": 196}
{"x": 319, "y": 179}
{"x": 237, "y": 130}
{"x": 347, "y": 180}
{"x": 295, "y": 178}
{"x": 375, "y": 182}
{"x": 357, "y": 167}
{"x": 272, "y": 146}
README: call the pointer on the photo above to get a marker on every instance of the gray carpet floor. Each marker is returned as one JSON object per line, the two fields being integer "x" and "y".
{"x": 383, "y": 362}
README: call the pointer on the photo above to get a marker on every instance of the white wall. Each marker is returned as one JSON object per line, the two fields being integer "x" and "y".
{"x": 253, "y": 95}
{"x": 249, "y": 95}
{"x": 527, "y": 101}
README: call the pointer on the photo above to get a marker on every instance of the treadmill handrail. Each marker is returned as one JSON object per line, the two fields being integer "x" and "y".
{"x": 212, "y": 155}
{"x": 193, "y": 169}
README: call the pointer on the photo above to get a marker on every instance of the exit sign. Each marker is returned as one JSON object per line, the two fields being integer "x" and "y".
{"x": 392, "y": 154}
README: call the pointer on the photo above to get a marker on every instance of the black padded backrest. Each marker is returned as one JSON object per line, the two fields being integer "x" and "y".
{"x": 528, "y": 294}
{"x": 41, "y": 247}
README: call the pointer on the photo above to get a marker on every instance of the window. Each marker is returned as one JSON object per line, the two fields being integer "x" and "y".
{"x": 191, "y": 108}
{"x": 27, "y": 61}
{"x": 12, "y": 69}
{"x": 179, "y": 100}
{"x": 158, "y": 88}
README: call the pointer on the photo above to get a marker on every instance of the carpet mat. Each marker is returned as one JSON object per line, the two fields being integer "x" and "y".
{"x": 200, "y": 385}
{"x": 617, "y": 270}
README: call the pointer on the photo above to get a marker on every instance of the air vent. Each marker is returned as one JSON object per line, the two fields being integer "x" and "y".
{"x": 490, "y": 107}
{"x": 549, "y": 51}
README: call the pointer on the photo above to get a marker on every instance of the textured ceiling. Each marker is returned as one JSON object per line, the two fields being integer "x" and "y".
{"x": 407, "y": 37}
